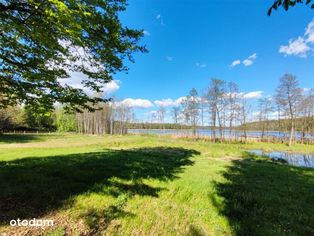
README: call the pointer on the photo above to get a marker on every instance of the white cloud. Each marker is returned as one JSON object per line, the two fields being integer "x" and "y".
{"x": 146, "y": 32}
{"x": 179, "y": 100}
{"x": 309, "y": 32}
{"x": 75, "y": 81}
{"x": 160, "y": 19}
{"x": 235, "y": 63}
{"x": 302, "y": 45}
{"x": 169, "y": 58}
{"x": 76, "y": 78}
{"x": 253, "y": 95}
{"x": 169, "y": 102}
{"x": 296, "y": 47}
{"x": 112, "y": 86}
{"x": 164, "y": 103}
{"x": 136, "y": 103}
{"x": 273, "y": 115}
{"x": 249, "y": 61}
{"x": 246, "y": 62}
{"x": 82, "y": 56}
{"x": 200, "y": 65}
{"x": 252, "y": 57}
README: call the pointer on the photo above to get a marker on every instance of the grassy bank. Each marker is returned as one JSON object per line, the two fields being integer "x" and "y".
{"x": 149, "y": 185}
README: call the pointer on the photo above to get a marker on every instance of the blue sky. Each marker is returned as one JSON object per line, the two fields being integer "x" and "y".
{"x": 190, "y": 42}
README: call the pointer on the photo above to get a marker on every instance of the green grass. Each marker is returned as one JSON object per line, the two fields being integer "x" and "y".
{"x": 149, "y": 185}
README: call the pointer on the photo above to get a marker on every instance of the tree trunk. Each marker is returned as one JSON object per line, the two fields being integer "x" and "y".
{"x": 291, "y": 133}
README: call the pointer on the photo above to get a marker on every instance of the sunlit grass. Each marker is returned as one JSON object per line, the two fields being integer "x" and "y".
{"x": 150, "y": 185}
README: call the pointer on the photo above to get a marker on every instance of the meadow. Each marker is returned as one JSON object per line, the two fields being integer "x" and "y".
{"x": 151, "y": 185}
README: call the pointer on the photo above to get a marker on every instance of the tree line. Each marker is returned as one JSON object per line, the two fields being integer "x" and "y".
{"x": 221, "y": 108}
{"x": 226, "y": 109}
{"x": 106, "y": 118}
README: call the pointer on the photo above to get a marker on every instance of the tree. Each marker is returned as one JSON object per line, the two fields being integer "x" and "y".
{"x": 265, "y": 108}
{"x": 306, "y": 113}
{"x": 286, "y": 4}
{"x": 99, "y": 122}
{"x": 232, "y": 98}
{"x": 11, "y": 118}
{"x": 243, "y": 112}
{"x": 161, "y": 115}
{"x": 42, "y": 42}
{"x": 203, "y": 103}
{"x": 123, "y": 115}
{"x": 65, "y": 122}
{"x": 288, "y": 96}
{"x": 175, "y": 114}
{"x": 191, "y": 105}
{"x": 216, "y": 99}
{"x": 35, "y": 119}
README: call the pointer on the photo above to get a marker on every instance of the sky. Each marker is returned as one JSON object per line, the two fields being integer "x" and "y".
{"x": 191, "y": 41}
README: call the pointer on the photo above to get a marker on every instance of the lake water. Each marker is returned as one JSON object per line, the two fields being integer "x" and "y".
{"x": 295, "y": 159}
{"x": 208, "y": 133}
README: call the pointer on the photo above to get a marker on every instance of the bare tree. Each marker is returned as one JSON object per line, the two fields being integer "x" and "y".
{"x": 288, "y": 96}
{"x": 161, "y": 115}
{"x": 306, "y": 112}
{"x": 203, "y": 103}
{"x": 123, "y": 115}
{"x": 108, "y": 118}
{"x": 216, "y": 99}
{"x": 153, "y": 117}
{"x": 265, "y": 108}
{"x": 232, "y": 97}
{"x": 243, "y": 112}
{"x": 191, "y": 105}
{"x": 227, "y": 108}
{"x": 175, "y": 114}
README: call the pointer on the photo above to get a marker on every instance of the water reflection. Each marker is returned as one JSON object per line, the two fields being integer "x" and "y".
{"x": 295, "y": 159}
{"x": 226, "y": 133}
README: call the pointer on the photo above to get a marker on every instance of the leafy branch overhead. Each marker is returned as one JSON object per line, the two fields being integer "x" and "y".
{"x": 43, "y": 41}
{"x": 289, "y": 3}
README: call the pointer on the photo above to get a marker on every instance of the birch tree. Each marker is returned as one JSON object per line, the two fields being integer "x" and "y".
{"x": 288, "y": 96}
{"x": 216, "y": 99}
{"x": 191, "y": 105}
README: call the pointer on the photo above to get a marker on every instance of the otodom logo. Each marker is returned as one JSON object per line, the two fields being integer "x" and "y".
{"x": 33, "y": 222}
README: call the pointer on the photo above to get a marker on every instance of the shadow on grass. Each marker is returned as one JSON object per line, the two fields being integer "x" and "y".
{"x": 262, "y": 197}
{"x": 32, "y": 187}
{"x": 23, "y": 138}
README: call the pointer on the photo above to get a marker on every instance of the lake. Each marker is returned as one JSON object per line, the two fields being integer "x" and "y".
{"x": 208, "y": 133}
{"x": 295, "y": 159}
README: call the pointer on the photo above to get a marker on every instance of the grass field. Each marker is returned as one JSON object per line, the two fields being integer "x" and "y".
{"x": 149, "y": 185}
